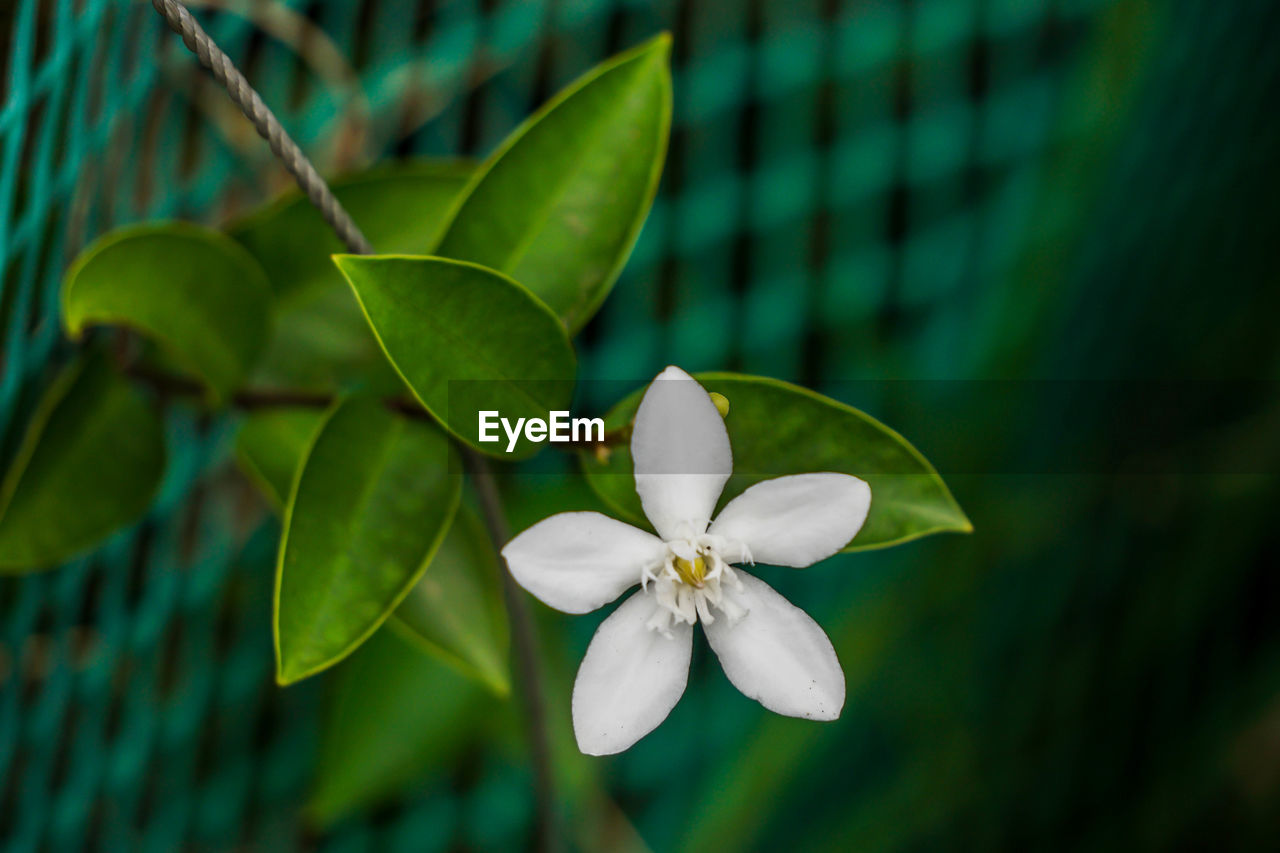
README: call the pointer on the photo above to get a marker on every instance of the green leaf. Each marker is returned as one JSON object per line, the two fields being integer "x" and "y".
{"x": 401, "y": 207}
{"x": 323, "y": 344}
{"x": 465, "y": 339}
{"x": 456, "y": 609}
{"x": 372, "y": 502}
{"x": 89, "y": 464}
{"x": 194, "y": 291}
{"x": 271, "y": 445}
{"x": 559, "y": 205}
{"x": 393, "y": 714}
{"x": 321, "y": 341}
{"x": 777, "y": 428}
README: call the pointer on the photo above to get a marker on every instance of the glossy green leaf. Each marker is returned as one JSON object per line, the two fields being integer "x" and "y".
{"x": 371, "y": 504}
{"x": 400, "y": 207}
{"x": 456, "y": 609}
{"x": 321, "y": 340}
{"x": 89, "y": 464}
{"x": 323, "y": 344}
{"x": 196, "y": 292}
{"x": 393, "y": 716}
{"x": 465, "y": 339}
{"x": 559, "y": 205}
{"x": 777, "y": 428}
{"x": 271, "y": 445}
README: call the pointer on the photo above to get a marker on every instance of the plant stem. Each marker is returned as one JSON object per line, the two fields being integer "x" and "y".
{"x": 258, "y": 399}
{"x": 525, "y": 641}
{"x": 523, "y": 636}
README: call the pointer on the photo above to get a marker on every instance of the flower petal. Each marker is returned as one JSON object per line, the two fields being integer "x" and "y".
{"x": 681, "y": 453}
{"x": 578, "y": 561}
{"x": 630, "y": 679}
{"x": 797, "y": 520}
{"x": 777, "y": 655}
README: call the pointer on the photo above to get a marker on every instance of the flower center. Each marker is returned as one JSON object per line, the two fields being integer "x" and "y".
{"x": 693, "y": 579}
{"x": 694, "y": 574}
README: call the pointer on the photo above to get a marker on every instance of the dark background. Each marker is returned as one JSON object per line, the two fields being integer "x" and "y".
{"x": 1037, "y": 237}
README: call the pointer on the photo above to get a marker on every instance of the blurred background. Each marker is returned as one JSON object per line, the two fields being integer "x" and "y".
{"x": 1037, "y": 237}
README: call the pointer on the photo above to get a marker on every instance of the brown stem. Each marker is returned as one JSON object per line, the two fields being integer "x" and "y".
{"x": 525, "y": 643}
{"x": 257, "y": 399}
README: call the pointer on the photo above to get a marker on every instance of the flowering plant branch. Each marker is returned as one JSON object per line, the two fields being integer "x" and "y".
{"x": 378, "y": 366}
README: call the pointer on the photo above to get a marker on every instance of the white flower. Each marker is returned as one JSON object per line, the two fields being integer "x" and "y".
{"x": 637, "y": 664}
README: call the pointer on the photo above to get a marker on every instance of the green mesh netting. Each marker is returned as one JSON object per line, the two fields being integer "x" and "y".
{"x": 855, "y": 189}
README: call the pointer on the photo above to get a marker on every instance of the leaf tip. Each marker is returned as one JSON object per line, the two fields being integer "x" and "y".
{"x": 961, "y": 522}
{"x": 287, "y": 672}
{"x": 341, "y": 260}
{"x": 498, "y": 682}
{"x": 286, "y": 677}
{"x": 659, "y": 47}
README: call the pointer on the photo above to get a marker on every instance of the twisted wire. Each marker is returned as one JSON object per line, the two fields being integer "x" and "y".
{"x": 268, "y": 126}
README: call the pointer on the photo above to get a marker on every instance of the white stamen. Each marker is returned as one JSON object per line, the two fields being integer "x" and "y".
{"x": 682, "y": 600}
{"x": 686, "y": 604}
{"x": 733, "y": 578}
{"x": 703, "y": 611}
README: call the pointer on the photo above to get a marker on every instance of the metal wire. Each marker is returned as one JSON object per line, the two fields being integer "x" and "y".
{"x": 268, "y": 126}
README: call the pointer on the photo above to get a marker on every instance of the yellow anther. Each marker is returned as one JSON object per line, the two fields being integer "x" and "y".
{"x": 722, "y": 403}
{"x": 694, "y": 574}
